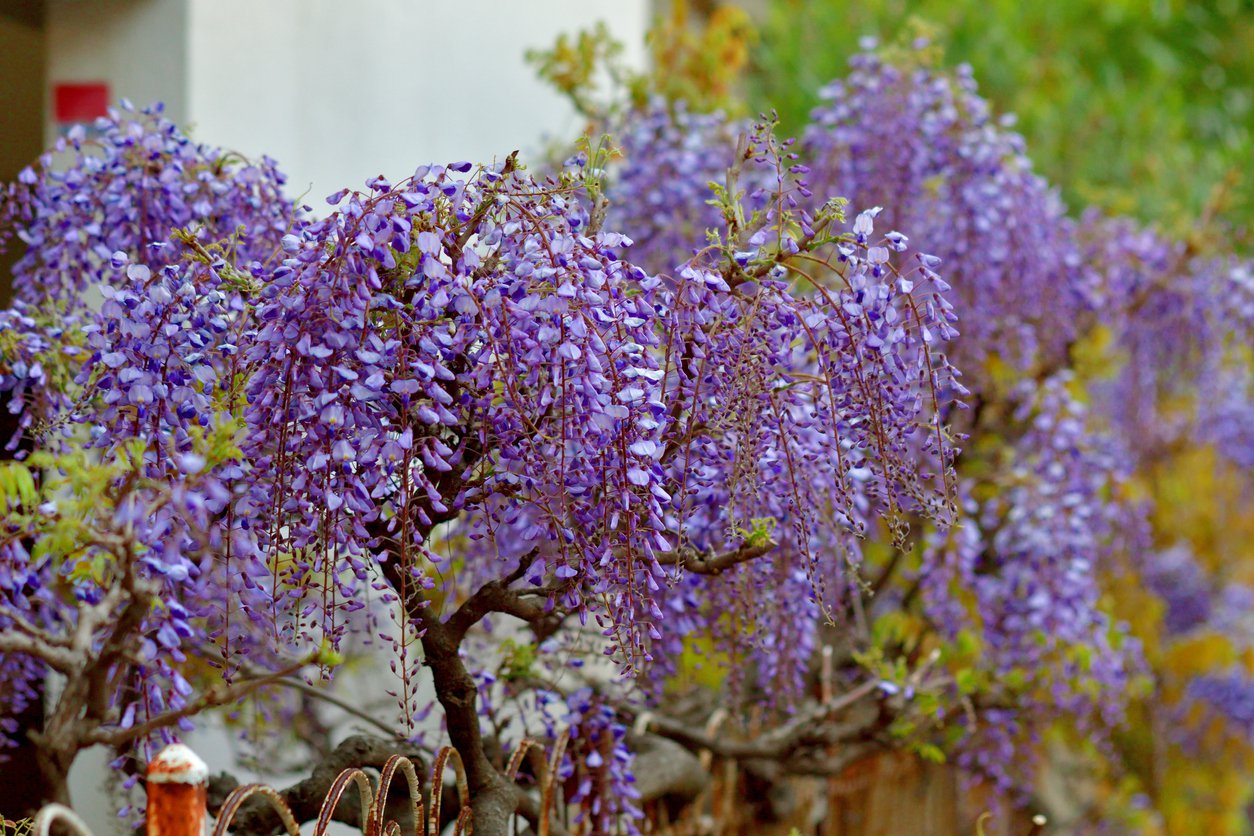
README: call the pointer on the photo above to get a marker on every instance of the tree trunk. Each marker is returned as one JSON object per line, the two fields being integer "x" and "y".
{"x": 492, "y": 798}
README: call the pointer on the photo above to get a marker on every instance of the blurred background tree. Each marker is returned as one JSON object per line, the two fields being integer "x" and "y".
{"x": 1139, "y": 107}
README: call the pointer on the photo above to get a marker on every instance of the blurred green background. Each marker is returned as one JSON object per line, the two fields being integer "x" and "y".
{"x": 1141, "y": 107}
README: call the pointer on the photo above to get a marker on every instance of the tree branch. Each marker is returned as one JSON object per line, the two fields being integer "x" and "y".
{"x": 811, "y": 727}
{"x": 343, "y": 705}
{"x": 215, "y": 696}
{"x": 61, "y": 659}
{"x": 529, "y": 808}
{"x": 495, "y": 596}
{"x": 714, "y": 564}
{"x": 493, "y": 798}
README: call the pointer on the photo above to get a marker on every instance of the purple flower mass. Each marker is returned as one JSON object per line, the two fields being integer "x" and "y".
{"x": 462, "y": 350}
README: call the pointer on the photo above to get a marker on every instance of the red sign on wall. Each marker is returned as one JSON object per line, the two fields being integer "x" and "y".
{"x": 80, "y": 101}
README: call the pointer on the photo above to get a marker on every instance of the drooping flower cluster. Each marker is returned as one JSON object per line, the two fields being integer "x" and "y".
{"x": 1175, "y": 576}
{"x": 32, "y": 346}
{"x": 124, "y": 188}
{"x": 1198, "y": 611}
{"x": 1022, "y": 573}
{"x": 1182, "y": 325}
{"x": 1023, "y": 570}
{"x": 1231, "y": 695}
{"x": 122, "y": 370}
{"x": 924, "y": 146}
{"x": 74, "y": 377}
{"x": 804, "y": 459}
{"x": 597, "y": 765}
{"x": 661, "y": 192}
{"x": 921, "y": 143}
{"x": 1033, "y": 565}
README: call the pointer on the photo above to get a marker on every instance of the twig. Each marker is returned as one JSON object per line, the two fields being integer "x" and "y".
{"x": 215, "y": 696}
{"x": 343, "y": 705}
{"x": 809, "y": 727}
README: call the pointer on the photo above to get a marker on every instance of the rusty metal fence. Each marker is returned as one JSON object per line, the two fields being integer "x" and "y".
{"x": 177, "y": 784}
{"x": 889, "y": 794}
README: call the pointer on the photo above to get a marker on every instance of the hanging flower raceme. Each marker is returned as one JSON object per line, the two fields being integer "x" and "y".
{"x": 925, "y": 146}
{"x": 1181, "y": 327}
{"x": 662, "y": 190}
{"x": 147, "y": 380}
{"x": 33, "y": 349}
{"x": 455, "y": 344}
{"x": 1021, "y": 577}
{"x": 596, "y": 767}
{"x": 800, "y": 374}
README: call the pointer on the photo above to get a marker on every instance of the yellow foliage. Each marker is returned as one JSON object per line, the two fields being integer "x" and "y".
{"x": 1204, "y": 499}
{"x": 1093, "y": 356}
{"x": 1195, "y": 655}
{"x": 701, "y": 62}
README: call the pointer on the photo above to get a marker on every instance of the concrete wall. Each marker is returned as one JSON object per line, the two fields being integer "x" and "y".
{"x": 138, "y": 46}
{"x": 336, "y": 92}
{"x": 338, "y": 97}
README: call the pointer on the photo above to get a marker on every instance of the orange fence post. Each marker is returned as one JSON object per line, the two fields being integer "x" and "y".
{"x": 177, "y": 781}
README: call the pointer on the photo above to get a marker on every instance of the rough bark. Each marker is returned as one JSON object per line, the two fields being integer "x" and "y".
{"x": 665, "y": 771}
{"x": 493, "y": 799}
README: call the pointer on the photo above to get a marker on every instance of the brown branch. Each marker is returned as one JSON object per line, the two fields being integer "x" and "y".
{"x": 215, "y": 696}
{"x": 139, "y": 596}
{"x": 61, "y": 659}
{"x": 345, "y": 706}
{"x": 810, "y": 727}
{"x": 664, "y": 768}
{"x": 495, "y": 596}
{"x": 714, "y": 564}
{"x": 833, "y": 763}
{"x": 528, "y": 807}
{"x": 885, "y": 575}
{"x": 493, "y": 798}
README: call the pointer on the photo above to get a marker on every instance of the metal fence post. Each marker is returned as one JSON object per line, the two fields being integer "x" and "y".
{"x": 177, "y": 781}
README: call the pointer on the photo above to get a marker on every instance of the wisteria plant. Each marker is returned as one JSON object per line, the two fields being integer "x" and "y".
{"x": 560, "y": 442}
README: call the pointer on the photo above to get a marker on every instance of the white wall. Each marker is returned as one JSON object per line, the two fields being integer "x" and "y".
{"x": 339, "y": 91}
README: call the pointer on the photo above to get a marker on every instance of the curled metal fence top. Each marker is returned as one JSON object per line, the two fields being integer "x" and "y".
{"x": 177, "y": 796}
{"x": 374, "y": 820}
